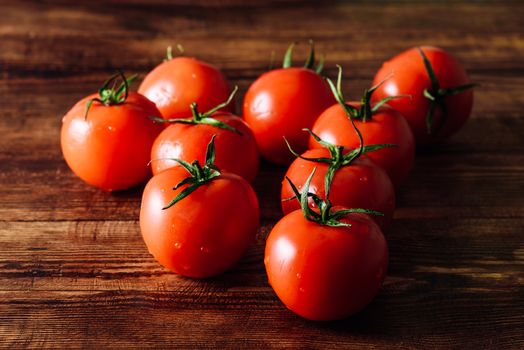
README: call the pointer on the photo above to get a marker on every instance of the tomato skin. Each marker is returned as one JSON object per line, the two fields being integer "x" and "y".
{"x": 174, "y": 84}
{"x": 110, "y": 148}
{"x": 359, "y": 185}
{"x": 386, "y": 126}
{"x": 235, "y": 153}
{"x": 281, "y": 103}
{"x": 325, "y": 273}
{"x": 205, "y": 233}
{"x": 410, "y": 77}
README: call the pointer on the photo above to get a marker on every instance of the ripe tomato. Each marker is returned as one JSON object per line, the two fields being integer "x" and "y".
{"x": 362, "y": 184}
{"x": 382, "y": 125}
{"x": 106, "y": 138}
{"x": 280, "y": 104}
{"x": 447, "y": 103}
{"x": 324, "y": 270}
{"x": 209, "y": 225}
{"x": 186, "y": 139}
{"x": 176, "y": 83}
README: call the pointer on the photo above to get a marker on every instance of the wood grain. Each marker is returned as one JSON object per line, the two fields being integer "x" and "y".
{"x": 74, "y": 272}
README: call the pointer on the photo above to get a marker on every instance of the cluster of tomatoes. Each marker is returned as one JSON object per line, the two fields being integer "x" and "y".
{"x": 327, "y": 257}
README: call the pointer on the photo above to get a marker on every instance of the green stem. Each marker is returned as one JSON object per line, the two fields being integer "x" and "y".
{"x": 204, "y": 118}
{"x": 310, "y": 61}
{"x": 198, "y": 175}
{"x": 110, "y": 96}
{"x": 325, "y": 216}
{"x": 437, "y": 96}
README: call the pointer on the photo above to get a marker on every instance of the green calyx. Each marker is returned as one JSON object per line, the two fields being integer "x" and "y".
{"x": 204, "y": 118}
{"x": 338, "y": 159}
{"x": 199, "y": 175}
{"x": 110, "y": 93}
{"x": 325, "y": 215}
{"x": 310, "y": 62}
{"x": 365, "y": 111}
{"x": 437, "y": 96}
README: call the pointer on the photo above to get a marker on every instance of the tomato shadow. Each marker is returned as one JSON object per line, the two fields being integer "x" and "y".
{"x": 447, "y": 279}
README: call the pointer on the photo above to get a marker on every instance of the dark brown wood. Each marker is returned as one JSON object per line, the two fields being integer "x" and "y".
{"x": 74, "y": 272}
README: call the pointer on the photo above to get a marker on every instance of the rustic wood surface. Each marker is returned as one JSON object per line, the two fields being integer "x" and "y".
{"x": 74, "y": 272}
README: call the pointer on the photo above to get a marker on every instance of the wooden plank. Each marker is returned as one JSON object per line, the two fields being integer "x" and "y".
{"x": 78, "y": 251}
{"x": 108, "y": 285}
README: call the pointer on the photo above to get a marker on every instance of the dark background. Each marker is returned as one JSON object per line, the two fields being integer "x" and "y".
{"x": 74, "y": 272}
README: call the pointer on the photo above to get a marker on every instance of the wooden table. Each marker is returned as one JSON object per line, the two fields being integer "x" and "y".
{"x": 74, "y": 272}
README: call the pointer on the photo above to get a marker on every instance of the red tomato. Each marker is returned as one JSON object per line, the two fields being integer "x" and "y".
{"x": 109, "y": 147}
{"x": 409, "y": 75}
{"x": 280, "y": 104}
{"x": 326, "y": 273}
{"x": 386, "y": 126}
{"x": 362, "y": 184}
{"x": 205, "y": 233}
{"x": 236, "y": 148}
{"x": 176, "y": 83}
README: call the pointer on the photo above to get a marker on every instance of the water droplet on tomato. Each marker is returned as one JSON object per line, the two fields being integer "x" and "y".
{"x": 178, "y": 245}
{"x": 204, "y": 249}
{"x": 363, "y": 179}
{"x": 301, "y": 290}
{"x": 299, "y": 276}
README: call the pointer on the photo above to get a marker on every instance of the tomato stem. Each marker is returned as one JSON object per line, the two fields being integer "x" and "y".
{"x": 310, "y": 61}
{"x": 325, "y": 216}
{"x": 204, "y": 118}
{"x": 110, "y": 96}
{"x": 199, "y": 175}
{"x": 437, "y": 96}
{"x": 338, "y": 159}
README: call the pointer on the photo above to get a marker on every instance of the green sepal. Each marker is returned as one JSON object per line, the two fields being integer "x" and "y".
{"x": 198, "y": 175}
{"x": 204, "y": 118}
{"x": 437, "y": 96}
{"x": 338, "y": 159}
{"x": 288, "y": 56}
{"x": 310, "y": 61}
{"x": 325, "y": 216}
{"x": 114, "y": 95}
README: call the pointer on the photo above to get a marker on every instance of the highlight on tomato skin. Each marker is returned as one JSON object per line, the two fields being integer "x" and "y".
{"x": 106, "y": 137}
{"x": 198, "y": 221}
{"x": 442, "y": 93}
{"x": 179, "y": 81}
{"x": 281, "y": 102}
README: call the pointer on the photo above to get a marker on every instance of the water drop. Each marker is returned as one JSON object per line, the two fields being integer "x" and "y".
{"x": 299, "y": 276}
{"x": 301, "y": 290}
{"x": 178, "y": 245}
{"x": 363, "y": 179}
